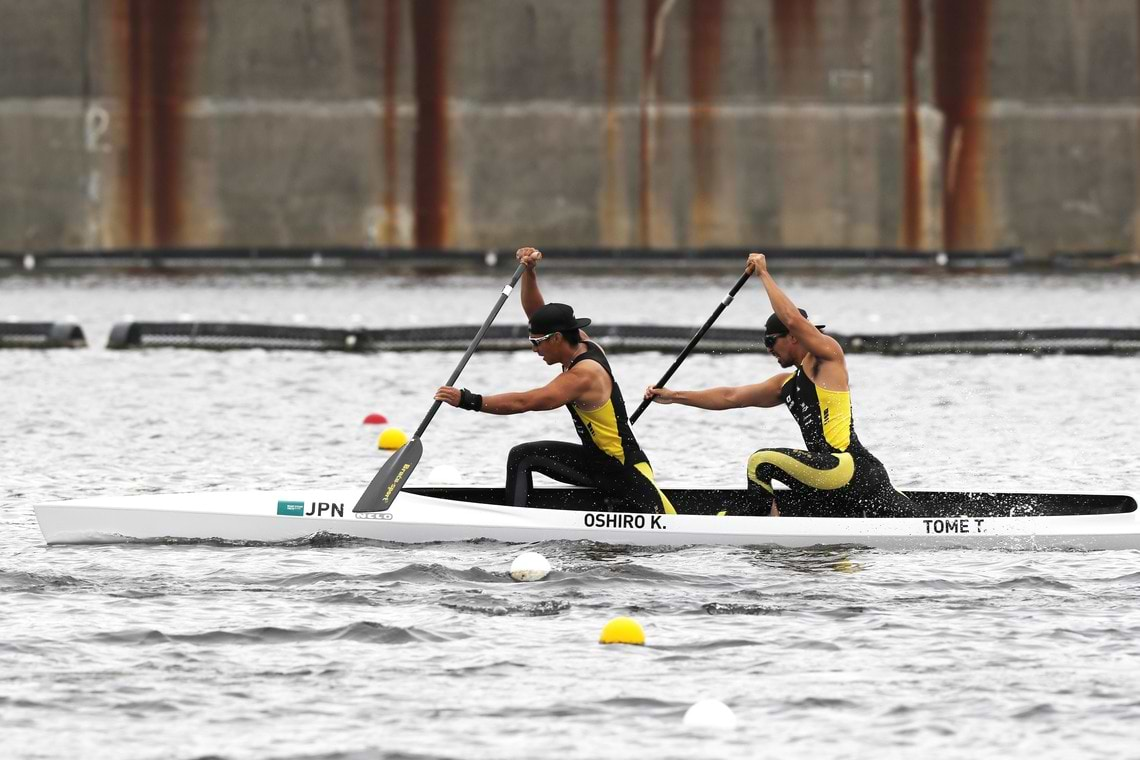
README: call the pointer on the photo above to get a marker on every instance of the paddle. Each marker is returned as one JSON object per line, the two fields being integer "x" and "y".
{"x": 693, "y": 343}
{"x": 395, "y": 472}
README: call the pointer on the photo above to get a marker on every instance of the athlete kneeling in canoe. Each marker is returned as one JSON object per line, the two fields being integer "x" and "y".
{"x": 609, "y": 457}
{"x": 836, "y": 475}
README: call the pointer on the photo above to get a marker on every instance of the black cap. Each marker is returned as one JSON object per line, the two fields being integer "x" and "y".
{"x": 555, "y": 317}
{"x": 774, "y": 326}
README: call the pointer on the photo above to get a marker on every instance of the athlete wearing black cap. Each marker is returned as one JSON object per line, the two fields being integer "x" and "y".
{"x": 609, "y": 457}
{"x": 837, "y": 474}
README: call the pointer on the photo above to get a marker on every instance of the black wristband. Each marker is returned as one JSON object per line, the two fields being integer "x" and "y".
{"x": 469, "y": 400}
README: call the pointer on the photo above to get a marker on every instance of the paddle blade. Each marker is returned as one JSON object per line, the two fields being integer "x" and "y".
{"x": 382, "y": 491}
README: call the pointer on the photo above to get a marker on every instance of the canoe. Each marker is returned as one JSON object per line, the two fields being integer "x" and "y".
{"x": 943, "y": 519}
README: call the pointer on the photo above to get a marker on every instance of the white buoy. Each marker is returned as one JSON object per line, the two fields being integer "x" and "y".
{"x": 445, "y": 475}
{"x": 710, "y": 713}
{"x": 530, "y": 566}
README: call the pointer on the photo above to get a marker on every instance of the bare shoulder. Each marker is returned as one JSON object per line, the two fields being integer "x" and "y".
{"x": 820, "y": 345}
{"x": 591, "y": 383}
{"x": 588, "y": 368}
{"x": 830, "y": 372}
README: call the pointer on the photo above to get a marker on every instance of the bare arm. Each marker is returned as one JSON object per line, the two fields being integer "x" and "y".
{"x": 765, "y": 394}
{"x": 823, "y": 347}
{"x": 560, "y": 391}
{"x": 530, "y": 296}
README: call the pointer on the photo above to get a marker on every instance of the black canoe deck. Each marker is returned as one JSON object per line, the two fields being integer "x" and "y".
{"x": 709, "y": 501}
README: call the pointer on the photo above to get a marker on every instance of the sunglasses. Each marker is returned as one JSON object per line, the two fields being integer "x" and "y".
{"x": 536, "y": 341}
{"x": 769, "y": 340}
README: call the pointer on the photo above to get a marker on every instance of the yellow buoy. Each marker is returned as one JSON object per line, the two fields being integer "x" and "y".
{"x": 392, "y": 438}
{"x": 622, "y": 630}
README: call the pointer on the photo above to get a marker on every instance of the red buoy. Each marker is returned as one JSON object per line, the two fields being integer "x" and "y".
{"x": 375, "y": 419}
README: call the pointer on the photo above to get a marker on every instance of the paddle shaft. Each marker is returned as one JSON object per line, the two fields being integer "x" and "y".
{"x": 474, "y": 345}
{"x": 693, "y": 343}
{"x": 386, "y": 485}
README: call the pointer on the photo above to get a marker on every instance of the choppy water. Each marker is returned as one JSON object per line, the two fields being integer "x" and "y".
{"x": 356, "y": 649}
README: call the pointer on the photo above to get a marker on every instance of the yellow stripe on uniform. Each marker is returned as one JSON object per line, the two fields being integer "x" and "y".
{"x": 825, "y": 480}
{"x": 647, "y": 471}
{"x": 835, "y": 415}
{"x": 602, "y": 425}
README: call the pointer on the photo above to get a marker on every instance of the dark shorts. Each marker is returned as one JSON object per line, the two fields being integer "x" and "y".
{"x": 850, "y": 484}
{"x": 630, "y": 486}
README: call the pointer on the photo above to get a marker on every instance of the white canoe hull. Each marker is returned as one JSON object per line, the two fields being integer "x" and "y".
{"x": 279, "y": 516}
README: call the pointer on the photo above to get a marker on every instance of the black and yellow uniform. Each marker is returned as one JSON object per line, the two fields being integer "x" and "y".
{"x": 608, "y": 458}
{"x": 840, "y": 477}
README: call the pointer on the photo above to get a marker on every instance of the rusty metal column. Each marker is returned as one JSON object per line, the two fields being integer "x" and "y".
{"x": 961, "y": 47}
{"x": 431, "y": 22}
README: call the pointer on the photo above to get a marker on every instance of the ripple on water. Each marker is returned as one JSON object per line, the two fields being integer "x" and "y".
{"x": 347, "y": 597}
{"x": 728, "y": 608}
{"x": 500, "y": 607}
{"x": 34, "y": 583}
{"x": 364, "y": 631}
{"x": 414, "y": 574}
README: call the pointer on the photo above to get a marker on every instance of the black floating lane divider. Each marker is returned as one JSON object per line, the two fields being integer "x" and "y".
{"x": 224, "y": 336}
{"x": 1092, "y": 261}
{"x": 229, "y": 335}
{"x": 355, "y": 260}
{"x": 1084, "y": 341}
{"x": 41, "y": 335}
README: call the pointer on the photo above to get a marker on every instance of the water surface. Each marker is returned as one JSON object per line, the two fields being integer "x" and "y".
{"x": 334, "y": 648}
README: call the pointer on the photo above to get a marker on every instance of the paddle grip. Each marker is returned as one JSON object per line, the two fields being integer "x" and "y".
{"x": 474, "y": 345}
{"x": 693, "y": 343}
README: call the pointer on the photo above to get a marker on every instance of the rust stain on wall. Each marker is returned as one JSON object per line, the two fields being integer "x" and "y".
{"x": 157, "y": 45}
{"x": 1136, "y": 200}
{"x": 611, "y": 23}
{"x": 389, "y": 149}
{"x": 705, "y": 21}
{"x": 613, "y": 209}
{"x": 648, "y": 97}
{"x": 961, "y": 42}
{"x": 431, "y": 25}
{"x": 912, "y": 138}
{"x": 805, "y": 215}
{"x": 797, "y": 34}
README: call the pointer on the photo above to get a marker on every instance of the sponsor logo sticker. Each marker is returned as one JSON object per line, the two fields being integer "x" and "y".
{"x": 395, "y": 482}
{"x": 291, "y": 508}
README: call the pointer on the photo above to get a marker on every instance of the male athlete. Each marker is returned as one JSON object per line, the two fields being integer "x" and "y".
{"x": 836, "y": 476}
{"x": 608, "y": 458}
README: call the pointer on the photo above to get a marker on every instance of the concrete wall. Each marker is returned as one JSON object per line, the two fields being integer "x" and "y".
{"x": 493, "y": 123}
